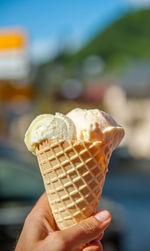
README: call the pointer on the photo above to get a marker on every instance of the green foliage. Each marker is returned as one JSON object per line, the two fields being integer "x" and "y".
{"x": 126, "y": 39}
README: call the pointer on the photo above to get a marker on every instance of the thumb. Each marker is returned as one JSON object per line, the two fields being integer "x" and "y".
{"x": 87, "y": 230}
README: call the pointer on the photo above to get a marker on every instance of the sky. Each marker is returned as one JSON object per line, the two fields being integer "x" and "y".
{"x": 50, "y": 24}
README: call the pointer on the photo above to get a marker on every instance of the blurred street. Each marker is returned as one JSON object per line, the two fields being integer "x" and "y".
{"x": 133, "y": 197}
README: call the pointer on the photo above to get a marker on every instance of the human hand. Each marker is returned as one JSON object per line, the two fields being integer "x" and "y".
{"x": 39, "y": 232}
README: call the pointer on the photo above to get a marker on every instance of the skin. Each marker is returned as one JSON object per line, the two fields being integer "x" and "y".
{"x": 39, "y": 231}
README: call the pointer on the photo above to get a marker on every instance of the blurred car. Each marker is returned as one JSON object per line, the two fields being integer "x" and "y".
{"x": 21, "y": 185}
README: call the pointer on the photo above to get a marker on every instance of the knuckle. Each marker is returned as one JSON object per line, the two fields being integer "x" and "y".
{"x": 89, "y": 226}
{"x": 34, "y": 214}
{"x": 28, "y": 218}
{"x": 39, "y": 213}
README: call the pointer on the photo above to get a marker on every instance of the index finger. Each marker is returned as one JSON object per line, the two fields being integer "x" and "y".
{"x": 43, "y": 205}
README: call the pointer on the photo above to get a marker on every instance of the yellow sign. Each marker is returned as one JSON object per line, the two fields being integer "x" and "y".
{"x": 12, "y": 39}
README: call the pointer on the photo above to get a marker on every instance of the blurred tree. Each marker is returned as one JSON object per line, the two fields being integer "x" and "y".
{"x": 126, "y": 39}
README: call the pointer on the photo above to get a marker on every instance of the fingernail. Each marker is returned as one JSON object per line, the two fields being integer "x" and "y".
{"x": 102, "y": 216}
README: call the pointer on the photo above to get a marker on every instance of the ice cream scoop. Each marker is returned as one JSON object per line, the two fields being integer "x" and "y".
{"x": 48, "y": 126}
{"x": 95, "y": 125}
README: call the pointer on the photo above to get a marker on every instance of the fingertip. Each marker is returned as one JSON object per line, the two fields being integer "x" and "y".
{"x": 93, "y": 246}
{"x": 103, "y": 216}
{"x": 100, "y": 236}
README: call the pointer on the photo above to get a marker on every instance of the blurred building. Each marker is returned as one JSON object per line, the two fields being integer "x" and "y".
{"x": 16, "y": 88}
{"x": 134, "y": 114}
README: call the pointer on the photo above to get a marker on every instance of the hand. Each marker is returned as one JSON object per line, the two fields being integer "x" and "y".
{"x": 39, "y": 232}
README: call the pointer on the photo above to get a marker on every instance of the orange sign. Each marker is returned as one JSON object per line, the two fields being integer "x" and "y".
{"x": 12, "y": 39}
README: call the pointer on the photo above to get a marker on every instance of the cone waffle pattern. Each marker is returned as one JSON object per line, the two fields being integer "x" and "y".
{"x": 73, "y": 174}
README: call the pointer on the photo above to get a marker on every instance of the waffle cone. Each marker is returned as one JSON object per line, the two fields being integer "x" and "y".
{"x": 73, "y": 173}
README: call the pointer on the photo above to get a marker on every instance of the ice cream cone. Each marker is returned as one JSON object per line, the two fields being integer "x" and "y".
{"x": 73, "y": 152}
{"x": 73, "y": 173}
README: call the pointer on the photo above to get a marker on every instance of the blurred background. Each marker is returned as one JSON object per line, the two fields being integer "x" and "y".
{"x": 58, "y": 55}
